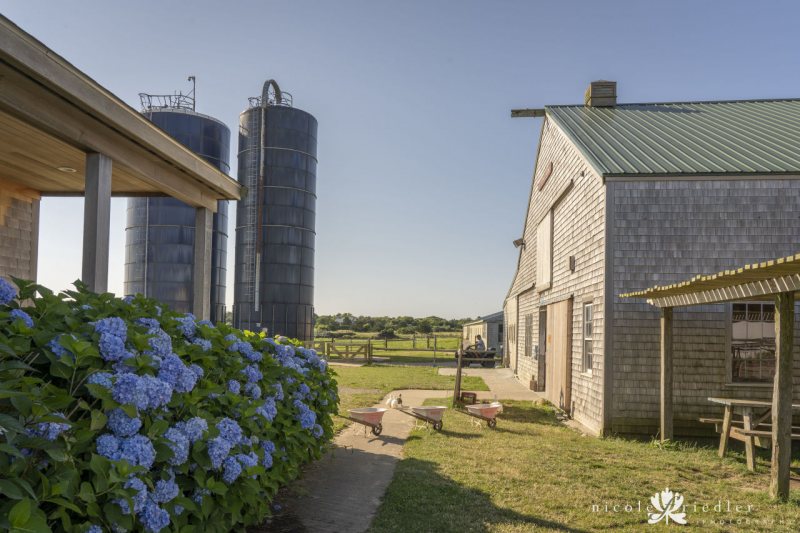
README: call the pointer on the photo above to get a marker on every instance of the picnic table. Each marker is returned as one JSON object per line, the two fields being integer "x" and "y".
{"x": 754, "y": 426}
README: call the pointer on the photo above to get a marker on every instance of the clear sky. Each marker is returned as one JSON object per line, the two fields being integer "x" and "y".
{"x": 423, "y": 178}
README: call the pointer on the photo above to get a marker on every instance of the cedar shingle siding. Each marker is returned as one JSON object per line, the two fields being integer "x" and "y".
{"x": 660, "y": 230}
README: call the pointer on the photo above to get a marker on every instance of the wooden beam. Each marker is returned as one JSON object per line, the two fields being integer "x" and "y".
{"x": 666, "y": 374}
{"x": 744, "y": 291}
{"x": 782, "y": 397}
{"x": 27, "y": 101}
{"x": 527, "y": 113}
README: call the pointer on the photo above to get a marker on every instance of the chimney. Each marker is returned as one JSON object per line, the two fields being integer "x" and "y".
{"x": 601, "y": 93}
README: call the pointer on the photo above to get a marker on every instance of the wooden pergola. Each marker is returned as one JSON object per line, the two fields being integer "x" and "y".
{"x": 777, "y": 280}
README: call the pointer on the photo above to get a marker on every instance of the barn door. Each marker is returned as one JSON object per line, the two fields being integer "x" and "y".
{"x": 559, "y": 354}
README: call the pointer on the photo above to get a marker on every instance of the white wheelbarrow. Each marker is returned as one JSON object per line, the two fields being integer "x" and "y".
{"x": 368, "y": 416}
{"x": 484, "y": 411}
{"x": 430, "y": 414}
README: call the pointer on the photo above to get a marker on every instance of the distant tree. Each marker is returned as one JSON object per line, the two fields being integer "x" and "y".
{"x": 386, "y": 334}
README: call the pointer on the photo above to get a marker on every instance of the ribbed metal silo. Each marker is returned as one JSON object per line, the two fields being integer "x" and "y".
{"x": 159, "y": 237}
{"x": 274, "y": 270}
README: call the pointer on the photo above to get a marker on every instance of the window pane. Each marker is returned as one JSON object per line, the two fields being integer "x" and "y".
{"x": 753, "y": 342}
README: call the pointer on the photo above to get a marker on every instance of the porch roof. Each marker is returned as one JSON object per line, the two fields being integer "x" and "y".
{"x": 757, "y": 281}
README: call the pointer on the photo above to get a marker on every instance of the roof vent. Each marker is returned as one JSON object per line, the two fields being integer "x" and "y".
{"x": 601, "y": 93}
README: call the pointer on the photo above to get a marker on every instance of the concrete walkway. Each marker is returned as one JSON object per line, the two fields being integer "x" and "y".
{"x": 342, "y": 491}
{"x": 501, "y": 382}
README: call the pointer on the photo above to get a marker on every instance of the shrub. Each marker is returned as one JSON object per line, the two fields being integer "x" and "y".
{"x": 119, "y": 415}
{"x": 386, "y": 334}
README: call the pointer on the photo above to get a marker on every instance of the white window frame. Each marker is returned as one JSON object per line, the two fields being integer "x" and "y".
{"x": 587, "y": 357}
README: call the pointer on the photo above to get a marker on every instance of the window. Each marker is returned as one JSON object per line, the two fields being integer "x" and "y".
{"x": 753, "y": 343}
{"x": 528, "y": 335}
{"x": 544, "y": 252}
{"x": 588, "y": 332}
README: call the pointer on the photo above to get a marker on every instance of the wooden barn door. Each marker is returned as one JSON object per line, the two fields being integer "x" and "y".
{"x": 559, "y": 353}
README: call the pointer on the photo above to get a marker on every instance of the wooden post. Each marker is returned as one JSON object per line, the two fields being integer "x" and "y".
{"x": 782, "y": 397}
{"x": 413, "y": 342}
{"x": 457, "y": 388}
{"x": 666, "y": 373}
{"x": 96, "y": 222}
{"x": 201, "y": 269}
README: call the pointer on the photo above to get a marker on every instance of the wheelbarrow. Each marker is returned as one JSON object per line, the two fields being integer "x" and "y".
{"x": 430, "y": 414}
{"x": 484, "y": 411}
{"x": 369, "y": 417}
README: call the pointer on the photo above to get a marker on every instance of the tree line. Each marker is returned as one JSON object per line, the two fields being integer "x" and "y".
{"x": 404, "y": 325}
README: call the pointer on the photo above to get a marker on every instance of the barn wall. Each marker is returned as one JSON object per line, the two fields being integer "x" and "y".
{"x": 577, "y": 197}
{"x": 668, "y": 231}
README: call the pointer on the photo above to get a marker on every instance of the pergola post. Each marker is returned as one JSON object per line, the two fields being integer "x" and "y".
{"x": 782, "y": 396}
{"x": 96, "y": 222}
{"x": 201, "y": 277}
{"x": 666, "y": 374}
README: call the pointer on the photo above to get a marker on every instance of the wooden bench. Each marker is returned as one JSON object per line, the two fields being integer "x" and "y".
{"x": 765, "y": 433}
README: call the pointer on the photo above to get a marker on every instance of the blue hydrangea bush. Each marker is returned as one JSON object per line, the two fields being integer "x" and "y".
{"x": 119, "y": 415}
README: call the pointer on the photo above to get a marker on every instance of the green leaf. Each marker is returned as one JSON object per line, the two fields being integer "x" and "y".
{"x": 23, "y": 404}
{"x": 87, "y": 492}
{"x": 10, "y": 489}
{"x": 26, "y": 487}
{"x": 57, "y": 454}
{"x": 10, "y": 450}
{"x": 20, "y": 513}
{"x": 98, "y": 420}
{"x": 10, "y": 423}
{"x": 64, "y": 503}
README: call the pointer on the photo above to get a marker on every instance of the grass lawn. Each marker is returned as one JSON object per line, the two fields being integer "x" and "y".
{"x": 363, "y": 386}
{"x": 531, "y": 474}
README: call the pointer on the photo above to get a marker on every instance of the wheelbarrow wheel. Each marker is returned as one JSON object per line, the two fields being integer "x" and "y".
{"x": 438, "y": 425}
{"x": 376, "y": 430}
{"x": 492, "y": 423}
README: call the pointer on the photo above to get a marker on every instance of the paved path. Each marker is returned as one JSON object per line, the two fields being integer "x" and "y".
{"x": 342, "y": 491}
{"x": 501, "y": 382}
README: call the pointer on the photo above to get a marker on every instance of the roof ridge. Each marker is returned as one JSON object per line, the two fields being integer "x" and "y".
{"x": 631, "y": 104}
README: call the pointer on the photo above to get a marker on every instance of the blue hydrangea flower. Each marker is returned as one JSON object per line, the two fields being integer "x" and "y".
{"x": 252, "y": 373}
{"x": 149, "y": 323}
{"x": 246, "y": 349}
{"x": 138, "y": 451}
{"x": 278, "y": 392}
{"x": 231, "y": 337}
{"x": 121, "y": 424}
{"x": 108, "y": 446}
{"x": 7, "y": 292}
{"x": 94, "y": 528}
{"x": 100, "y": 378}
{"x": 158, "y": 392}
{"x": 50, "y": 430}
{"x": 305, "y": 416}
{"x": 193, "y": 428}
{"x": 113, "y": 326}
{"x": 269, "y": 448}
{"x": 171, "y": 368}
{"x": 55, "y": 346}
{"x": 248, "y": 460}
{"x": 205, "y": 323}
{"x": 229, "y": 430}
{"x": 179, "y": 443}
{"x": 129, "y": 389}
{"x": 234, "y": 386}
{"x": 128, "y": 299}
{"x": 186, "y": 380}
{"x": 268, "y": 410}
{"x": 160, "y": 343}
{"x": 165, "y": 490}
{"x": 187, "y": 326}
{"x": 178, "y": 509}
{"x": 19, "y": 314}
{"x": 317, "y": 431}
{"x": 197, "y": 370}
{"x": 231, "y": 471}
{"x": 154, "y": 517}
{"x": 218, "y": 450}
{"x": 139, "y": 498}
{"x": 203, "y": 343}
{"x": 112, "y": 348}
{"x": 304, "y": 390}
{"x": 198, "y": 495}
{"x": 252, "y": 390}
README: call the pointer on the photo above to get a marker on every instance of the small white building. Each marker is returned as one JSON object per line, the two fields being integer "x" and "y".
{"x": 489, "y": 327}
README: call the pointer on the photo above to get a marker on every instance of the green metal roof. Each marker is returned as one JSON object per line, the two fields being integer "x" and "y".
{"x": 701, "y": 138}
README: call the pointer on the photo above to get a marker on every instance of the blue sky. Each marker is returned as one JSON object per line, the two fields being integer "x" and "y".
{"x": 423, "y": 178}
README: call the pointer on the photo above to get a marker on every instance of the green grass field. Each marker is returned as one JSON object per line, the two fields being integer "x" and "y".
{"x": 364, "y": 386}
{"x": 532, "y": 474}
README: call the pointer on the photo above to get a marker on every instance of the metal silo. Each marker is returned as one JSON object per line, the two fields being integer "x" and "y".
{"x": 159, "y": 237}
{"x": 274, "y": 271}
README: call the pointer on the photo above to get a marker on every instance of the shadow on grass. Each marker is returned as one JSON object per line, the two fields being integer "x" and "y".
{"x": 420, "y": 498}
{"x": 539, "y": 415}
